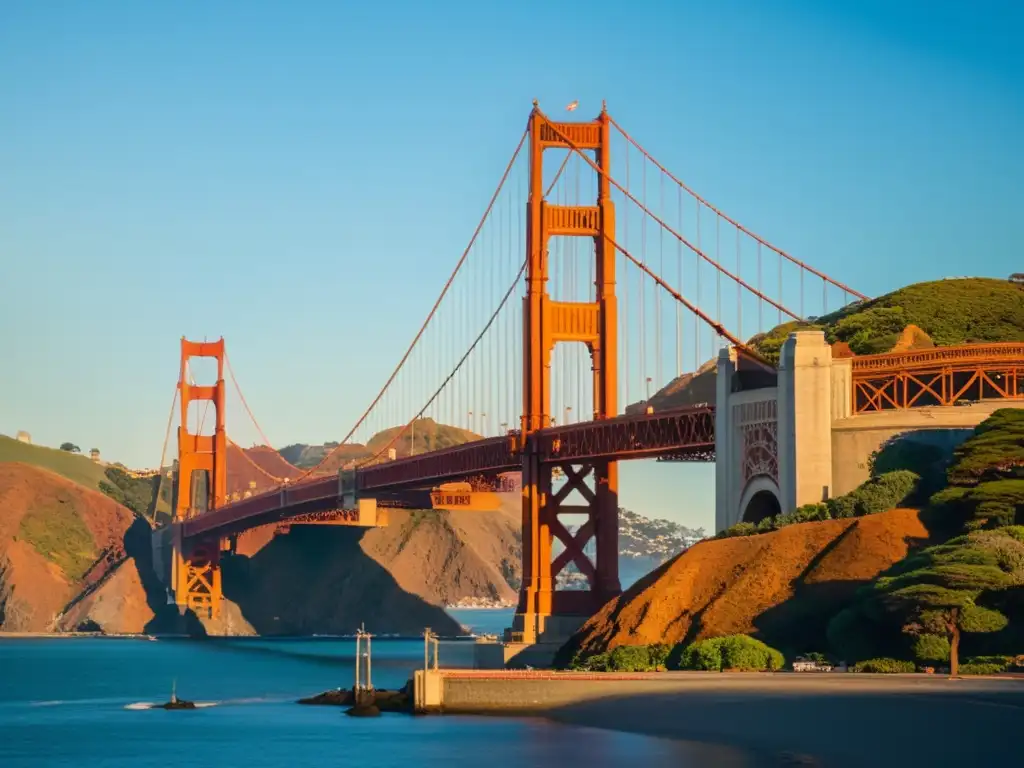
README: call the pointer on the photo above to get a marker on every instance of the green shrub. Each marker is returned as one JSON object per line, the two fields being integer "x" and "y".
{"x": 704, "y": 655}
{"x": 871, "y": 330}
{"x": 624, "y": 658}
{"x": 598, "y": 662}
{"x": 842, "y": 507}
{"x": 884, "y": 492}
{"x": 931, "y": 648}
{"x": 629, "y": 658}
{"x": 816, "y": 657}
{"x": 884, "y": 666}
{"x": 740, "y": 529}
{"x": 914, "y": 454}
{"x": 981, "y": 669}
{"x": 1002, "y": 662}
{"x": 808, "y": 513}
{"x": 735, "y": 652}
{"x": 658, "y": 653}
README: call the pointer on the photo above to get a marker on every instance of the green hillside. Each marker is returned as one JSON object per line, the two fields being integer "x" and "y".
{"x": 73, "y": 466}
{"x": 961, "y": 311}
{"x": 136, "y": 493}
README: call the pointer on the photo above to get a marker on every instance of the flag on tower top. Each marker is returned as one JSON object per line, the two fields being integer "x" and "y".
{"x": 572, "y": 106}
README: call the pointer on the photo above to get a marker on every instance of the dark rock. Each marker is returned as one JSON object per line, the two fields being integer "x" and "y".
{"x": 363, "y": 710}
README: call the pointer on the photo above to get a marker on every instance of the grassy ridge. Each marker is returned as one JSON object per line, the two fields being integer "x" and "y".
{"x": 136, "y": 493}
{"x": 951, "y": 312}
{"x": 75, "y": 467}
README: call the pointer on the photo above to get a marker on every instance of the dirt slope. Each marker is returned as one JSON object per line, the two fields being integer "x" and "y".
{"x": 51, "y": 532}
{"x": 781, "y": 586}
{"x": 271, "y": 462}
{"x": 444, "y": 557}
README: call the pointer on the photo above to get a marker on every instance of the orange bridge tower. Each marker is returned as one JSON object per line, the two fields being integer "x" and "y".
{"x": 200, "y": 485}
{"x": 545, "y": 614}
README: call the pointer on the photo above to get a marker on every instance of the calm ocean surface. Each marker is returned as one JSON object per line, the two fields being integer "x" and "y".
{"x": 69, "y": 702}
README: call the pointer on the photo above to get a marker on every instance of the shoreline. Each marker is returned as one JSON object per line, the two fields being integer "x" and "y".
{"x": 836, "y": 720}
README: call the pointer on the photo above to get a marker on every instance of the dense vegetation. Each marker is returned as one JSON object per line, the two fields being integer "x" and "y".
{"x": 139, "y": 494}
{"x": 949, "y": 311}
{"x": 963, "y": 596}
{"x": 877, "y": 494}
{"x": 735, "y": 652}
{"x": 986, "y": 479}
{"x": 966, "y": 587}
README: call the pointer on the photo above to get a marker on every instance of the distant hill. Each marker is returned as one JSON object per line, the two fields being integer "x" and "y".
{"x": 271, "y": 462}
{"x": 939, "y": 313}
{"x": 425, "y": 435}
{"x": 945, "y": 313}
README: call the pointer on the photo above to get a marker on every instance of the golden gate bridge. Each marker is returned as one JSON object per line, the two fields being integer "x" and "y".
{"x": 593, "y": 274}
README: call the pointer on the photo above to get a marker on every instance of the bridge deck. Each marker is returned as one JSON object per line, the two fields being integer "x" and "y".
{"x": 686, "y": 432}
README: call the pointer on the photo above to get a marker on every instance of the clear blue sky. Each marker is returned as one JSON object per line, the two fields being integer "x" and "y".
{"x": 273, "y": 172}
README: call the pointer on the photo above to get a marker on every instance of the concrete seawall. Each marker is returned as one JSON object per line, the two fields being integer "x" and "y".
{"x": 834, "y": 719}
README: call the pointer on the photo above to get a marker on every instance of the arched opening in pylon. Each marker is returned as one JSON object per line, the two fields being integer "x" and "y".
{"x": 762, "y": 505}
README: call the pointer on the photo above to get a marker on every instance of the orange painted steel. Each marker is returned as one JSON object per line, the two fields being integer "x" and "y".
{"x": 195, "y": 563}
{"x": 486, "y": 465}
{"x": 942, "y": 376}
{"x": 545, "y": 324}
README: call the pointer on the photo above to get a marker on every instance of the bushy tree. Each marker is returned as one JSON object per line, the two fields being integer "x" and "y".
{"x": 931, "y": 648}
{"x": 933, "y": 594}
{"x": 70, "y": 448}
{"x": 736, "y": 652}
{"x": 986, "y": 476}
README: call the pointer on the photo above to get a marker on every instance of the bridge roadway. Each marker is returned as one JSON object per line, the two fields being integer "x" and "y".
{"x": 882, "y": 382}
{"x": 682, "y": 434}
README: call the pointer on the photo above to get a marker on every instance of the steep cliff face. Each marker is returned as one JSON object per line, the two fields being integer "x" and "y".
{"x": 72, "y": 558}
{"x": 57, "y": 540}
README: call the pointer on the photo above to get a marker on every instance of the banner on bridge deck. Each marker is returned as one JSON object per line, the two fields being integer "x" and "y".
{"x": 471, "y": 501}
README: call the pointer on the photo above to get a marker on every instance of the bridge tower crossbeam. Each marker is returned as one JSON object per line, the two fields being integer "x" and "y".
{"x": 544, "y": 613}
{"x": 202, "y": 466}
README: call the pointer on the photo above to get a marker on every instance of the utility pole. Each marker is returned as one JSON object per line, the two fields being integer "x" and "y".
{"x": 364, "y": 681}
{"x": 429, "y": 637}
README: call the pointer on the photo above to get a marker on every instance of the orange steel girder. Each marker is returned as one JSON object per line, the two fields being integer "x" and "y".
{"x": 195, "y": 565}
{"x": 546, "y": 323}
{"x": 938, "y": 377}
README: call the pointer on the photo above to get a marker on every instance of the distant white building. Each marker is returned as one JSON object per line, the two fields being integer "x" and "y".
{"x": 23, "y": 437}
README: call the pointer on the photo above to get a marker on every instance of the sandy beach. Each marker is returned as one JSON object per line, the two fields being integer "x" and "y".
{"x": 841, "y": 720}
